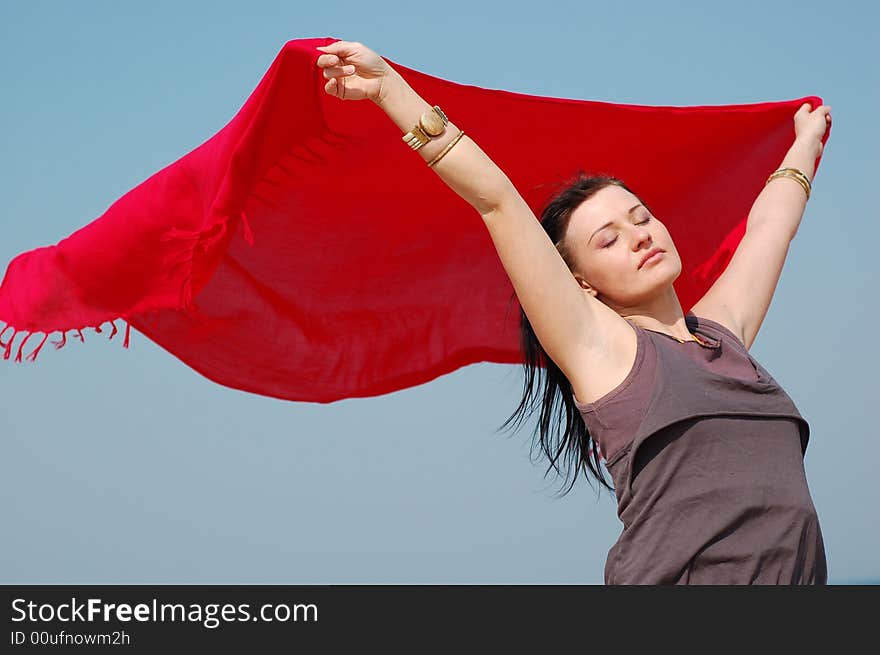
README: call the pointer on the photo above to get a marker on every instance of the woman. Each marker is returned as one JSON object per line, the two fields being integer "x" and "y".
{"x": 705, "y": 448}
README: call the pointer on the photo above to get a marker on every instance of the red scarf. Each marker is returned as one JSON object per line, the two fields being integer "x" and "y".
{"x": 305, "y": 252}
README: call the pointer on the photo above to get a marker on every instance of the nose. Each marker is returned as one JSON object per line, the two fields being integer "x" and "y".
{"x": 642, "y": 238}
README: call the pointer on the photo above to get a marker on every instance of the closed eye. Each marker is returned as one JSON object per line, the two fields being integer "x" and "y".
{"x": 615, "y": 238}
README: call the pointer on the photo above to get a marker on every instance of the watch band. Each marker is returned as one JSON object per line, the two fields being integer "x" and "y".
{"x": 432, "y": 123}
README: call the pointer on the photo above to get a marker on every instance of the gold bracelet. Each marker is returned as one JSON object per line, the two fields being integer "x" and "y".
{"x": 447, "y": 148}
{"x": 795, "y": 174}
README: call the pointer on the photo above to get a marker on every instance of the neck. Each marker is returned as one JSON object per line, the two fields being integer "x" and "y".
{"x": 662, "y": 313}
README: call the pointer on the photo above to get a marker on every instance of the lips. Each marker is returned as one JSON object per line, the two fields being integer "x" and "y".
{"x": 649, "y": 254}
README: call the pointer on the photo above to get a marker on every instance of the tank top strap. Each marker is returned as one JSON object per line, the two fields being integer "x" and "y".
{"x": 719, "y": 333}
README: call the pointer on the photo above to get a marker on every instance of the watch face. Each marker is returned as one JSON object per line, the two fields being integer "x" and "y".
{"x": 432, "y": 123}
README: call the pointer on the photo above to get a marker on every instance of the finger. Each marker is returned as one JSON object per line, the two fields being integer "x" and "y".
{"x": 329, "y": 60}
{"x": 340, "y": 48}
{"x": 336, "y": 87}
{"x": 338, "y": 71}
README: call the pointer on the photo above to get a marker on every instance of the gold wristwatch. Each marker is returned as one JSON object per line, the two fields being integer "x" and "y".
{"x": 431, "y": 124}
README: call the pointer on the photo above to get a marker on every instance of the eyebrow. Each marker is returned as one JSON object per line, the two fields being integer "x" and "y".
{"x": 629, "y": 213}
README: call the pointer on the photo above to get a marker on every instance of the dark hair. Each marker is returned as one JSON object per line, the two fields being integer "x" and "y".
{"x": 574, "y": 444}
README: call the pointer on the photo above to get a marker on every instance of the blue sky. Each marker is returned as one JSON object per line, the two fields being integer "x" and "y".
{"x": 126, "y": 466}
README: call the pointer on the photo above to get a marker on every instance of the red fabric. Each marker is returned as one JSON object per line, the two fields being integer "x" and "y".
{"x": 306, "y": 252}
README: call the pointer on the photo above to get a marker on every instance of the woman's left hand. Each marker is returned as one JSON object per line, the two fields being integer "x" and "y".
{"x": 810, "y": 126}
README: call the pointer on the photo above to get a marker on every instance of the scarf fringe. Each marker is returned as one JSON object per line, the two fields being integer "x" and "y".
{"x": 32, "y": 357}
{"x": 246, "y": 226}
{"x": 192, "y": 241}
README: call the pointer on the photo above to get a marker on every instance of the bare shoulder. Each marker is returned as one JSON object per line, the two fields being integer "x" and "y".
{"x": 599, "y": 369}
{"x": 718, "y": 313}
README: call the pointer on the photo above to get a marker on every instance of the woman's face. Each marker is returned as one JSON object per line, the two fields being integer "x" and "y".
{"x": 608, "y": 236}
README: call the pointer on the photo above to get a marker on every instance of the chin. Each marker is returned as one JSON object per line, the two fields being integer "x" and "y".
{"x": 673, "y": 270}
{"x": 667, "y": 272}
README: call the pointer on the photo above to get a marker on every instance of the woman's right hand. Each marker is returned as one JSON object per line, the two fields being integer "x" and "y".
{"x": 810, "y": 125}
{"x": 353, "y": 71}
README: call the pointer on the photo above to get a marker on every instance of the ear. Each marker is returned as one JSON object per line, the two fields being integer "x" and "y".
{"x": 585, "y": 285}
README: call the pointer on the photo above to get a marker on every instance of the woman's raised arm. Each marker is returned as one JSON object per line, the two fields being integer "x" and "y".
{"x": 564, "y": 317}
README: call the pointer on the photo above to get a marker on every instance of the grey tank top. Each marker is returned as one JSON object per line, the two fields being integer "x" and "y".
{"x": 706, "y": 453}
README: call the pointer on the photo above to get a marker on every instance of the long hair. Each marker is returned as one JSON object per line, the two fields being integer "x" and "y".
{"x": 574, "y": 446}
